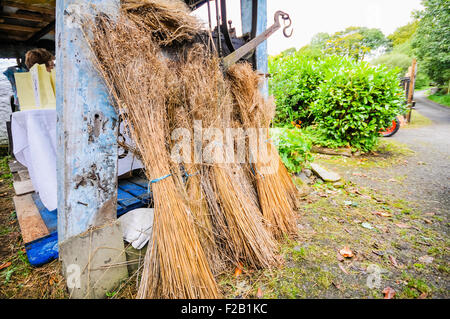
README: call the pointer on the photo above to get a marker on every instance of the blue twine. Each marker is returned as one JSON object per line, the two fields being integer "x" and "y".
{"x": 156, "y": 180}
{"x": 164, "y": 177}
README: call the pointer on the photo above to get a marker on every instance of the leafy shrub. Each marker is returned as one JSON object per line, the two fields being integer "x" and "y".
{"x": 294, "y": 147}
{"x": 356, "y": 102}
{"x": 294, "y": 83}
{"x": 347, "y": 102}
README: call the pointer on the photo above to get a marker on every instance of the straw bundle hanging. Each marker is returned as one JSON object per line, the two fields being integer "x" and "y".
{"x": 168, "y": 20}
{"x": 274, "y": 190}
{"x": 136, "y": 73}
{"x": 234, "y": 209}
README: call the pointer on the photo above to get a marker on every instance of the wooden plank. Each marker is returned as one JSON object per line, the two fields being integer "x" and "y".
{"x": 23, "y": 187}
{"x": 15, "y": 166}
{"x": 28, "y": 16}
{"x": 29, "y": 7}
{"x": 16, "y": 27}
{"x": 24, "y": 175}
{"x": 86, "y": 130}
{"x": 39, "y": 34}
{"x": 30, "y": 221}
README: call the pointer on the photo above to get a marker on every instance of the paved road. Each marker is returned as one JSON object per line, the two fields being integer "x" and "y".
{"x": 425, "y": 177}
{"x": 429, "y": 182}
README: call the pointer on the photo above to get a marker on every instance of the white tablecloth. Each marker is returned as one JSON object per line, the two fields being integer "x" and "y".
{"x": 34, "y": 140}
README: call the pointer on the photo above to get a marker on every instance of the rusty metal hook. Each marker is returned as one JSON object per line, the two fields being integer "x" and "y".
{"x": 287, "y": 24}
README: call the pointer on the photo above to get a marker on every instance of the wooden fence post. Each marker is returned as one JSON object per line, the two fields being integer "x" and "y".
{"x": 411, "y": 88}
{"x": 89, "y": 237}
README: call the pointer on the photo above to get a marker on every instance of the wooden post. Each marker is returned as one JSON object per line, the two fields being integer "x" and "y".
{"x": 261, "y": 51}
{"x": 90, "y": 239}
{"x": 411, "y": 88}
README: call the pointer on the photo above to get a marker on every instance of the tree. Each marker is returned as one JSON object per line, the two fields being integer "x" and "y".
{"x": 404, "y": 33}
{"x": 319, "y": 41}
{"x": 355, "y": 42}
{"x": 432, "y": 40}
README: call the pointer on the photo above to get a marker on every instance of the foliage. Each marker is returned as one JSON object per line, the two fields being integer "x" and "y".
{"x": 354, "y": 42}
{"x": 432, "y": 39}
{"x": 356, "y": 102}
{"x": 294, "y": 147}
{"x": 394, "y": 60}
{"x": 294, "y": 84}
{"x": 441, "y": 98}
{"x": 403, "y": 33}
{"x": 347, "y": 101}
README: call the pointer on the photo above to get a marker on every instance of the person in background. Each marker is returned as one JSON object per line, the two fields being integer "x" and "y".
{"x": 9, "y": 73}
{"x": 40, "y": 56}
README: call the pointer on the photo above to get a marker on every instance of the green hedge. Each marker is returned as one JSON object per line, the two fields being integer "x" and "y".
{"x": 344, "y": 102}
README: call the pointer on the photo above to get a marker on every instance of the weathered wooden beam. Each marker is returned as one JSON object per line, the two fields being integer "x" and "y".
{"x": 29, "y": 16}
{"x": 39, "y": 34}
{"x": 88, "y": 234}
{"x": 28, "y": 7}
{"x": 31, "y": 224}
{"x": 16, "y": 27}
{"x": 261, "y": 25}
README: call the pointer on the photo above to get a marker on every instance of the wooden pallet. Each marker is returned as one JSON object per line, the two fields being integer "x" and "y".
{"x": 39, "y": 225}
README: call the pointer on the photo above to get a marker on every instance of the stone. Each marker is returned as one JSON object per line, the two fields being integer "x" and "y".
{"x": 326, "y": 175}
{"x": 94, "y": 262}
{"x": 307, "y": 172}
{"x": 303, "y": 177}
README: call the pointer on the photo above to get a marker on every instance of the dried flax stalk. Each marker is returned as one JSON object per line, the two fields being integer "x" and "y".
{"x": 276, "y": 191}
{"x": 234, "y": 208}
{"x": 135, "y": 71}
{"x": 168, "y": 20}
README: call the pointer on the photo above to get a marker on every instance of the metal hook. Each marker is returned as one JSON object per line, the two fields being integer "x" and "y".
{"x": 287, "y": 24}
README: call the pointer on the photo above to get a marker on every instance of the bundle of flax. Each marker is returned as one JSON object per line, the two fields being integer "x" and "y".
{"x": 234, "y": 207}
{"x": 276, "y": 190}
{"x": 209, "y": 214}
{"x": 136, "y": 73}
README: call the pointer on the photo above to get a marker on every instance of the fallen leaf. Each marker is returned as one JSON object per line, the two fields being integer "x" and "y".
{"x": 401, "y": 225}
{"x": 260, "y": 293}
{"x": 238, "y": 271}
{"x": 366, "y": 225}
{"x": 5, "y": 265}
{"x": 427, "y": 221}
{"x": 382, "y": 214}
{"x": 423, "y": 295}
{"x": 346, "y": 252}
{"x": 393, "y": 261}
{"x": 426, "y": 259}
{"x": 389, "y": 293}
{"x": 339, "y": 257}
{"x": 343, "y": 269}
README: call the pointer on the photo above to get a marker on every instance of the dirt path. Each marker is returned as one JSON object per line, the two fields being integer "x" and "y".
{"x": 424, "y": 177}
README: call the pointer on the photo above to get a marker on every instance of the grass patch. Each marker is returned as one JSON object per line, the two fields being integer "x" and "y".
{"x": 417, "y": 120}
{"x": 388, "y": 152}
{"x": 443, "y": 99}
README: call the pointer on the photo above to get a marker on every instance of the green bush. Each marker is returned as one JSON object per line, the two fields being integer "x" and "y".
{"x": 356, "y": 102}
{"x": 347, "y": 102}
{"x": 294, "y": 147}
{"x": 294, "y": 83}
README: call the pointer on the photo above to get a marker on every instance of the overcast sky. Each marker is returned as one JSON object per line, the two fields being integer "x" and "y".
{"x": 313, "y": 16}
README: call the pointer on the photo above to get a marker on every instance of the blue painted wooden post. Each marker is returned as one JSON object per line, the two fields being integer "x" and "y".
{"x": 261, "y": 50}
{"x": 87, "y": 143}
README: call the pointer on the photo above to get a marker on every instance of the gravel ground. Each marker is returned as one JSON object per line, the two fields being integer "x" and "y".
{"x": 425, "y": 176}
